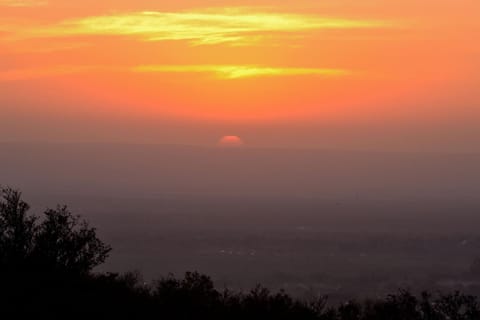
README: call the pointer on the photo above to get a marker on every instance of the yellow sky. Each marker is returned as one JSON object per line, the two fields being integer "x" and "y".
{"x": 341, "y": 61}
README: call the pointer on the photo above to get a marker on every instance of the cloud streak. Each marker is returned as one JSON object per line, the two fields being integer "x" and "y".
{"x": 239, "y": 71}
{"x": 23, "y": 3}
{"x": 233, "y": 26}
{"x": 226, "y": 72}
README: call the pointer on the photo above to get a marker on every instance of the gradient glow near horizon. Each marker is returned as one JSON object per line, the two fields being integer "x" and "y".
{"x": 342, "y": 62}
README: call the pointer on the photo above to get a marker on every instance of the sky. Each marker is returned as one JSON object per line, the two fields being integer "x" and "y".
{"x": 372, "y": 74}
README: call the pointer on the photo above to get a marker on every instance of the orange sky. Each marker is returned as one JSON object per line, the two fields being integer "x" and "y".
{"x": 240, "y": 64}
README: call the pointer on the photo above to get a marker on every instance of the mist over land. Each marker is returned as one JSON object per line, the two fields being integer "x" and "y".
{"x": 343, "y": 223}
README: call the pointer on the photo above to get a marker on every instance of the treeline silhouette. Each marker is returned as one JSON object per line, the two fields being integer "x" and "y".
{"x": 46, "y": 271}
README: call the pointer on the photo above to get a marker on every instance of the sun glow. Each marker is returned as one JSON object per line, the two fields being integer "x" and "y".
{"x": 231, "y": 142}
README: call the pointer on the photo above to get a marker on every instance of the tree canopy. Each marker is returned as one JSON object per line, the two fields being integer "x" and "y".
{"x": 56, "y": 242}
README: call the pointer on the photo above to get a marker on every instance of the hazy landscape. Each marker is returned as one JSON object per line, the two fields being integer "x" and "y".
{"x": 240, "y": 159}
{"x": 342, "y": 223}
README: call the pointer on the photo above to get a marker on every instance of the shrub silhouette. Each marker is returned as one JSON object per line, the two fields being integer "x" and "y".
{"x": 46, "y": 272}
{"x": 64, "y": 243}
{"x": 17, "y": 230}
{"x": 59, "y": 243}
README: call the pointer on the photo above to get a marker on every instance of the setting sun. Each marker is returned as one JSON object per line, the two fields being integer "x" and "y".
{"x": 231, "y": 141}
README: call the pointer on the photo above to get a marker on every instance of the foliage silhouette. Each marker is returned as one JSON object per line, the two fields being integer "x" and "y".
{"x": 46, "y": 271}
{"x": 63, "y": 243}
{"x": 59, "y": 243}
{"x": 17, "y": 230}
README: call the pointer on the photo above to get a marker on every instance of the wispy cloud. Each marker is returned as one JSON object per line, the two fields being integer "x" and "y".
{"x": 23, "y": 3}
{"x": 234, "y": 26}
{"x": 227, "y": 72}
{"x": 239, "y": 71}
{"x": 51, "y": 71}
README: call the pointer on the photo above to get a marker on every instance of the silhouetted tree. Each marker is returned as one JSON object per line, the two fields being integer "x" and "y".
{"x": 65, "y": 243}
{"x": 61, "y": 242}
{"x": 17, "y": 230}
{"x": 428, "y": 307}
{"x": 193, "y": 295}
{"x": 458, "y": 306}
{"x": 351, "y": 310}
